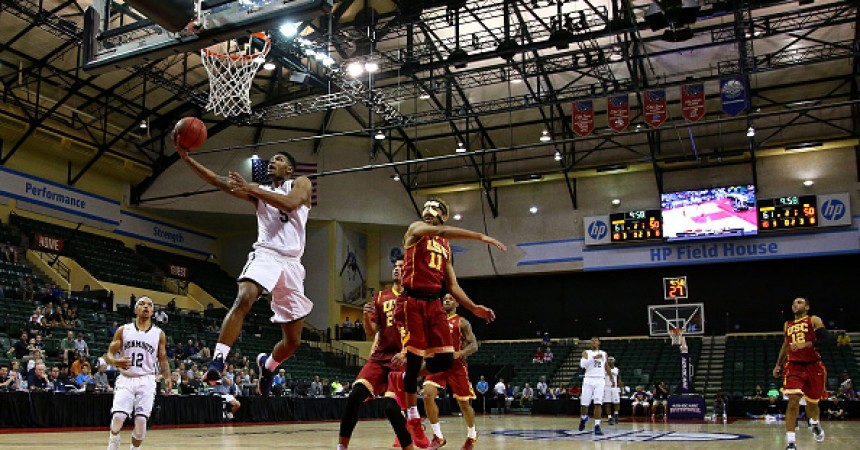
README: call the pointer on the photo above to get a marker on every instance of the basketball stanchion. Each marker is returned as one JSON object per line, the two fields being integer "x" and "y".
{"x": 231, "y": 67}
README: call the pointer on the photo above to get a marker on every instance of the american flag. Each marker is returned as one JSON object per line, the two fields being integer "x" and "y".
{"x": 260, "y": 169}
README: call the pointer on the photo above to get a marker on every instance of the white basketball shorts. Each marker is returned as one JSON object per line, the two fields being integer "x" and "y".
{"x": 134, "y": 395}
{"x": 284, "y": 278}
{"x": 592, "y": 391}
{"x": 611, "y": 395}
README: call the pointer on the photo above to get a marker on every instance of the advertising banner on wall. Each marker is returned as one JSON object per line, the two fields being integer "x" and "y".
{"x": 152, "y": 230}
{"x": 57, "y": 197}
{"x": 596, "y": 230}
{"x": 834, "y": 210}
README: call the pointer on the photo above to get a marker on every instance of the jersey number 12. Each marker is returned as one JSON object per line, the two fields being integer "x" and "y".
{"x": 137, "y": 359}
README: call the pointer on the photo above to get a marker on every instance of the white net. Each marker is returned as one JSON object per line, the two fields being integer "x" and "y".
{"x": 231, "y": 68}
{"x": 676, "y": 334}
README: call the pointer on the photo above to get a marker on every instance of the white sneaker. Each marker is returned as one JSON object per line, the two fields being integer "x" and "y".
{"x": 113, "y": 442}
{"x": 818, "y": 432}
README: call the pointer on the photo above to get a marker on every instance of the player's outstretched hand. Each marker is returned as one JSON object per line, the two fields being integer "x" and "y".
{"x": 494, "y": 242}
{"x": 123, "y": 363}
{"x": 368, "y": 309}
{"x": 484, "y": 313}
{"x": 183, "y": 153}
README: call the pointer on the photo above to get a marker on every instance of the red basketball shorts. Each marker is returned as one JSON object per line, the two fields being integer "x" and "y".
{"x": 457, "y": 378}
{"x": 425, "y": 326}
{"x": 374, "y": 375}
{"x": 808, "y": 379}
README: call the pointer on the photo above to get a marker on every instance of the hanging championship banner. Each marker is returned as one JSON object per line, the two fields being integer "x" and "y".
{"x": 733, "y": 95}
{"x": 618, "y": 112}
{"x": 655, "y": 107}
{"x": 583, "y": 117}
{"x": 693, "y": 101}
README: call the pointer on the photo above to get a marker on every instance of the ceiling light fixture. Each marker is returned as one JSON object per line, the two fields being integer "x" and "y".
{"x": 327, "y": 61}
{"x": 255, "y": 156}
{"x": 371, "y": 66}
{"x": 380, "y": 136}
{"x": 396, "y": 177}
{"x": 750, "y": 131}
{"x": 533, "y": 209}
{"x": 461, "y": 148}
{"x": 808, "y": 183}
{"x": 355, "y": 69}
{"x": 616, "y": 201}
{"x": 458, "y": 217}
{"x": 289, "y": 29}
{"x": 269, "y": 66}
{"x": 544, "y": 136}
{"x": 557, "y": 156}
{"x": 143, "y": 125}
{"x": 516, "y": 79}
{"x": 424, "y": 95}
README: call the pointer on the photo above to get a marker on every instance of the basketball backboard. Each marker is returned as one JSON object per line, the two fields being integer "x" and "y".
{"x": 690, "y": 317}
{"x": 116, "y": 36}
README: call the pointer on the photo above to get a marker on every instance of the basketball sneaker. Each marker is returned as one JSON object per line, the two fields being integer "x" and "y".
{"x": 818, "y": 432}
{"x": 436, "y": 443}
{"x": 416, "y": 429}
{"x": 470, "y": 444}
{"x": 395, "y": 385}
{"x": 791, "y": 446}
{"x": 582, "y": 423}
{"x": 264, "y": 386}
{"x": 396, "y": 443}
{"x": 598, "y": 431}
{"x": 113, "y": 442}
{"x": 213, "y": 373}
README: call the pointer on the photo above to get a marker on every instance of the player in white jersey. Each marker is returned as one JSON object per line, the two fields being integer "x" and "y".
{"x": 596, "y": 370}
{"x": 275, "y": 264}
{"x": 612, "y": 392}
{"x": 140, "y": 344}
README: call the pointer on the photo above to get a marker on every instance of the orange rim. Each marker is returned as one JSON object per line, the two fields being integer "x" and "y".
{"x": 260, "y": 35}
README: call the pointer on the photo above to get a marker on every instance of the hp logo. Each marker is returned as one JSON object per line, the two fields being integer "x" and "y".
{"x": 597, "y": 230}
{"x": 833, "y": 209}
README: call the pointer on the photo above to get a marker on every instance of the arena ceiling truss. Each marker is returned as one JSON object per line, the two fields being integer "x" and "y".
{"x": 488, "y": 74}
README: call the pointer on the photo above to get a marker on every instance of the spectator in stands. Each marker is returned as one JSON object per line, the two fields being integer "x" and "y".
{"x": 84, "y": 378}
{"x": 65, "y": 377}
{"x": 537, "y": 358}
{"x": 67, "y": 346}
{"x": 836, "y": 407}
{"x": 501, "y": 395}
{"x": 559, "y": 392}
{"x": 661, "y": 399}
{"x": 101, "y": 379}
{"x": 186, "y": 387}
{"x": 54, "y": 382}
{"x": 171, "y": 305}
{"x": 527, "y": 396}
{"x": 34, "y": 326}
{"x": 574, "y": 391}
{"x": 190, "y": 350}
{"x": 79, "y": 364}
{"x": 112, "y": 328}
{"x": 758, "y": 393}
{"x": 39, "y": 344}
{"x": 57, "y": 292}
{"x": 27, "y": 289}
{"x": 160, "y": 316}
{"x": 192, "y": 371}
{"x": 10, "y": 254}
{"x": 55, "y": 318}
{"x": 846, "y": 386}
{"x": 132, "y": 301}
{"x": 720, "y": 408}
{"x": 546, "y": 341}
{"x": 641, "y": 401}
{"x": 316, "y": 389}
{"x": 279, "y": 383}
{"x": 72, "y": 317}
{"x": 541, "y": 388}
{"x": 481, "y": 389}
{"x": 81, "y": 345}
{"x": 37, "y": 379}
{"x": 204, "y": 352}
{"x": 843, "y": 340}
{"x": 548, "y": 356}
{"x": 346, "y": 329}
{"x": 336, "y": 387}
{"x": 109, "y": 369}
{"x": 19, "y": 348}
{"x": 15, "y": 373}
{"x": 7, "y": 382}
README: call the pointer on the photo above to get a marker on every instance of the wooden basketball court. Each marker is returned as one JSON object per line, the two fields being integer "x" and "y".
{"x": 495, "y": 432}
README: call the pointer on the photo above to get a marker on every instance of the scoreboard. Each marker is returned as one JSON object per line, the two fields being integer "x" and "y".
{"x": 636, "y": 225}
{"x": 675, "y": 288}
{"x": 785, "y": 213}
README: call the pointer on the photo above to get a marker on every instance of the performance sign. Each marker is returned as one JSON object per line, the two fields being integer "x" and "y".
{"x": 693, "y": 101}
{"x": 655, "y": 107}
{"x": 583, "y": 117}
{"x": 618, "y": 112}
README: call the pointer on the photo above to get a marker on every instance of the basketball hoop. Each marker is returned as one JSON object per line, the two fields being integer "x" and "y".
{"x": 231, "y": 68}
{"x": 676, "y": 334}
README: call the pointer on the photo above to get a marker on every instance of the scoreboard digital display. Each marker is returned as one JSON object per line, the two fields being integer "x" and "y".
{"x": 636, "y": 225}
{"x": 785, "y": 213}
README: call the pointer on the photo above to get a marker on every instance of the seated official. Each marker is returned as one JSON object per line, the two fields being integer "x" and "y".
{"x": 101, "y": 380}
{"x": 7, "y": 382}
{"x": 55, "y": 383}
{"x": 84, "y": 378}
{"x": 37, "y": 379}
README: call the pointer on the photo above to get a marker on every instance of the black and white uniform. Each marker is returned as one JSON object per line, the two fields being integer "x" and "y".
{"x": 612, "y": 394}
{"x": 275, "y": 264}
{"x": 594, "y": 382}
{"x": 134, "y": 392}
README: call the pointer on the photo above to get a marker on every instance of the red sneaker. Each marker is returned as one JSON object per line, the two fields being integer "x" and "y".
{"x": 470, "y": 444}
{"x": 396, "y": 443}
{"x": 416, "y": 429}
{"x": 395, "y": 385}
{"x": 436, "y": 443}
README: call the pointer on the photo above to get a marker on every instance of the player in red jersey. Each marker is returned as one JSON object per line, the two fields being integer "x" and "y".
{"x": 372, "y": 380}
{"x": 803, "y": 372}
{"x": 427, "y": 266}
{"x": 456, "y": 378}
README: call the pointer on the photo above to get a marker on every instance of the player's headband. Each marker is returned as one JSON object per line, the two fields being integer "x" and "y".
{"x": 137, "y": 303}
{"x": 611, "y": 358}
{"x": 432, "y": 208}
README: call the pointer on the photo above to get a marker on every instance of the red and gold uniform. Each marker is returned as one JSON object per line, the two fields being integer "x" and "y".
{"x": 457, "y": 377}
{"x": 374, "y": 374}
{"x": 804, "y": 373}
{"x": 420, "y": 311}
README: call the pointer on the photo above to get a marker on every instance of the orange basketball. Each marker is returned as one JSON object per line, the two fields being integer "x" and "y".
{"x": 190, "y": 133}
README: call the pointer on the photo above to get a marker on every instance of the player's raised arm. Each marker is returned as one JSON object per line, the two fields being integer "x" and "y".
{"x": 299, "y": 195}
{"x": 368, "y": 316}
{"x": 470, "y": 342}
{"x": 585, "y": 362}
{"x": 463, "y": 299}
{"x": 114, "y": 348}
{"x": 419, "y": 228}
{"x": 219, "y": 181}
{"x": 163, "y": 363}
